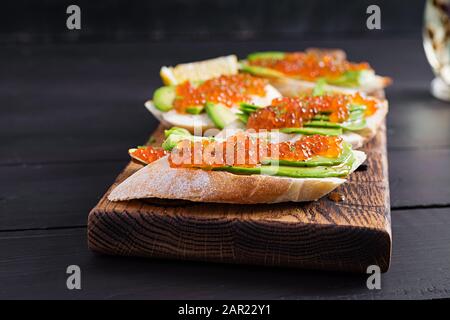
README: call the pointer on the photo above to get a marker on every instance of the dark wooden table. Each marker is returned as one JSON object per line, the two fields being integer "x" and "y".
{"x": 68, "y": 113}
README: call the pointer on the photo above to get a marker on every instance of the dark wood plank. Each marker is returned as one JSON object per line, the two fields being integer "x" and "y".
{"x": 416, "y": 120}
{"x": 47, "y": 196}
{"x": 419, "y": 177}
{"x": 33, "y": 264}
{"x": 347, "y": 236}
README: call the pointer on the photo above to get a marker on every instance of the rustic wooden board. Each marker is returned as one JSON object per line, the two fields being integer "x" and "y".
{"x": 347, "y": 236}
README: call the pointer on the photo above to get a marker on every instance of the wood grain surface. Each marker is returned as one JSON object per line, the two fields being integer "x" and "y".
{"x": 348, "y": 235}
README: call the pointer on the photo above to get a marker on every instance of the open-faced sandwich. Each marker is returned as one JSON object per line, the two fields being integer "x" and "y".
{"x": 240, "y": 169}
{"x": 354, "y": 117}
{"x": 194, "y": 89}
{"x": 296, "y": 72}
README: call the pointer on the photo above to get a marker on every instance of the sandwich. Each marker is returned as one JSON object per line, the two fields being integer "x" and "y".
{"x": 211, "y": 103}
{"x": 240, "y": 169}
{"x": 193, "y": 89}
{"x": 354, "y": 117}
{"x": 297, "y": 72}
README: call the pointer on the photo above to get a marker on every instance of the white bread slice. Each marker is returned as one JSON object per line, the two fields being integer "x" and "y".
{"x": 159, "y": 180}
{"x": 202, "y": 121}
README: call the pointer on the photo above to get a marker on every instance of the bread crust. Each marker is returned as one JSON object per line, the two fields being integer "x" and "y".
{"x": 159, "y": 180}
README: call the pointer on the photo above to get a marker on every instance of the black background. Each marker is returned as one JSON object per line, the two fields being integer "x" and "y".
{"x": 24, "y": 21}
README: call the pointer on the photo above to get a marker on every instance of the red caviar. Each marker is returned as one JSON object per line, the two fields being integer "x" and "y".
{"x": 228, "y": 90}
{"x": 246, "y": 151}
{"x": 148, "y": 154}
{"x": 310, "y": 65}
{"x": 292, "y": 112}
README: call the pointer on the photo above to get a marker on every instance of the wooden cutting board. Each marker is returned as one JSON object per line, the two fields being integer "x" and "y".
{"x": 348, "y": 235}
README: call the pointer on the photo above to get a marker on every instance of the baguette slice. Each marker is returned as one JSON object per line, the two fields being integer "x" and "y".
{"x": 159, "y": 180}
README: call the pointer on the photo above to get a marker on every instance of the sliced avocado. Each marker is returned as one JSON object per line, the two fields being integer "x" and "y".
{"x": 176, "y": 130}
{"x": 275, "y": 55}
{"x": 309, "y": 131}
{"x": 356, "y": 115}
{"x": 354, "y": 125}
{"x": 296, "y": 172}
{"x": 323, "y": 117}
{"x": 172, "y": 141}
{"x": 220, "y": 115}
{"x": 163, "y": 98}
{"x": 243, "y": 117}
{"x": 317, "y": 160}
{"x": 173, "y": 136}
{"x": 357, "y": 107}
{"x": 248, "y": 108}
{"x": 261, "y": 71}
{"x": 322, "y": 124}
{"x": 319, "y": 88}
{"x": 348, "y": 79}
{"x": 195, "y": 109}
{"x": 356, "y": 122}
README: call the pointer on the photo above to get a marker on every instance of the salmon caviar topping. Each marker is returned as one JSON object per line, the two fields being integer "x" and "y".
{"x": 228, "y": 90}
{"x": 310, "y": 65}
{"x": 293, "y": 112}
{"x": 246, "y": 151}
{"x": 148, "y": 154}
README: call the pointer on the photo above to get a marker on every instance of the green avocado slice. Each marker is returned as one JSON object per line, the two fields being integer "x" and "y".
{"x": 355, "y": 122}
{"x": 316, "y": 161}
{"x": 322, "y": 124}
{"x": 243, "y": 117}
{"x": 261, "y": 71}
{"x": 354, "y": 125}
{"x": 248, "y": 108}
{"x": 274, "y": 55}
{"x": 195, "y": 109}
{"x": 295, "y": 172}
{"x": 322, "y": 117}
{"x": 319, "y": 88}
{"x": 356, "y": 115}
{"x": 351, "y": 125}
{"x": 163, "y": 98}
{"x": 220, "y": 115}
{"x": 348, "y": 79}
{"x": 176, "y": 130}
{"x": 357, "y": 107}
{"x": 173, "y": 136}
{"x": 311, "y": 130}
